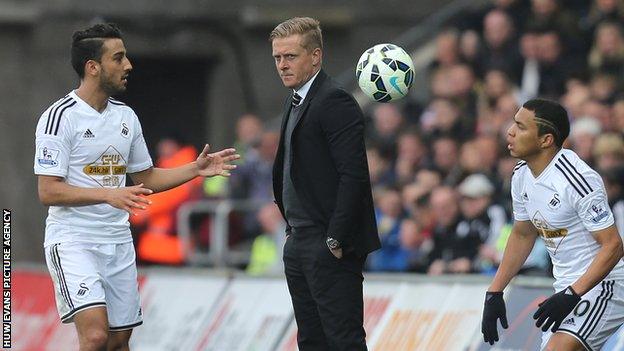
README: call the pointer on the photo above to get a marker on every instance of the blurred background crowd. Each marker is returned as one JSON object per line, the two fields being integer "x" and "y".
{"x": 438, "y": 160}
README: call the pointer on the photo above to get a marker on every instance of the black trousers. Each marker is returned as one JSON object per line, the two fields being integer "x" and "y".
{"x": 326, "y": 293}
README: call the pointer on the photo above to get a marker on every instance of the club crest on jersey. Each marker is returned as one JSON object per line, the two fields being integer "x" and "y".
{"x": 125, "y": 131}
{"x": 48, "y": 157}
{"x": 83, "y": 290}
{"x": 554, "y": 202}
{"x": 598, "y": 212}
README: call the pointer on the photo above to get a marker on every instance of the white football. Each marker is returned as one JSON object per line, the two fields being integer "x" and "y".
{"x": 385, "y": 72}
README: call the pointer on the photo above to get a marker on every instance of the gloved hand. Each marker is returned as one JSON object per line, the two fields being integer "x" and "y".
{"x": 493, "y": 309}
{"x": 554, "y": 309}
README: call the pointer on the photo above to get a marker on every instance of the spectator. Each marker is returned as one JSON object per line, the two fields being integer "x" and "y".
{"x": 442, "y": 117}
{"x": 464, "y": 94}
{"x": 575, "y": 98}
{"x": 599, "y": 111}
{"x": 253, "y": 180}
{"x": 482, "y": 222}
{"x": 499, "y": 119}
{"x": 583, "y": 133}
{"x": 266, "y": 250}
{"x": 158, "y": 241}
{"x": 445, "y": 159}
{"x": 555, "y": 66}
{"x": 500, "y": 49}
{"x": 470, "y": 47}
{"x": 446, "y": 254}
{"x": 248, "y": 132}
{"x": 425, "y": 181}
{"x": 488, "y": 148}
{"x": 549, "y": 14}
{"x": 607, "y": 53}
{"x": 387, "y": 122}
{"x": 389, "y": 215}
{"x": 613, "y": 180}
{"x": 379, "y": 167}
{"x": 603, "y": 87}
{"x": 447, "y": 49}
{"x": 608, "y": 151}
{"x": 415, "y": 246}
{"x": 602, "y": 11}
{"x": 496, "y": 84}
{"x": 411, "y": 156}
{"x": 529, "y": 79}
{"x": 618, "y": 115}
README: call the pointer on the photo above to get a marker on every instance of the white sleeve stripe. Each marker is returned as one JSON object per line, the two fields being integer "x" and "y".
{"x": 577, "y": 172}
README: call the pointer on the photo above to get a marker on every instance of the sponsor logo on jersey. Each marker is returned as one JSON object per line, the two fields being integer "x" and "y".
{"x": 83, "y": 289}
{"x": 598, "y": 212}
{"x": 125, "y": 131}
{"x": 48, "y": 157}
{"x": 109, "y": 169}
{"x": 548, "y": 232}
{"x": 88, "y": 134}
{"x": 554, "y": 202}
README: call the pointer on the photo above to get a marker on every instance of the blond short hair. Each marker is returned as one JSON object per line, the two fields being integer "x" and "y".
{"x": 308, "y": 27}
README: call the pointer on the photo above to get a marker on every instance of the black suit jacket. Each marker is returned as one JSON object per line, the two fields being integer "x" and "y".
{"x": 329, "y": 169}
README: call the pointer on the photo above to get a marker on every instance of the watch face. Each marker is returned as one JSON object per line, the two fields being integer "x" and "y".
{"x": 333, "y": 243}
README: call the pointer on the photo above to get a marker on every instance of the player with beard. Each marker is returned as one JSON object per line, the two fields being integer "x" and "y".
{"x": 86, "y": 143}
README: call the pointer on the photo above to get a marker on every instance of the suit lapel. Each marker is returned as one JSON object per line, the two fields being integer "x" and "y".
{"x": 318, "y": 81}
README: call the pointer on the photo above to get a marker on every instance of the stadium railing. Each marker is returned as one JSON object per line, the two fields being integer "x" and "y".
{"x": 219, "y": 253}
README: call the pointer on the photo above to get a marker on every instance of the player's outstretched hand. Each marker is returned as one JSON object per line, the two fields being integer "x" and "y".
{"x": 554, "y": 309}
{"x": 217, "y": 163}
{"x": 493, "y": 310}
{"x": 129, "y": 198}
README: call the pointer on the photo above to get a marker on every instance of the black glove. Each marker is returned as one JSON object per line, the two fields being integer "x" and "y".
{"x": 493, "y": 309}
{"x": 554, "y": 309}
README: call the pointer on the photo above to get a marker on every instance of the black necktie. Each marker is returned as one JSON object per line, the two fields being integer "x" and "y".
{"x": 296, "y": 99}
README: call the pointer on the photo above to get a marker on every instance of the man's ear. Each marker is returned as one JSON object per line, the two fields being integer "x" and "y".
{"x": 548, "y": 140}
{"x": 317, "y": 56}
{"x": 92, "y": 68}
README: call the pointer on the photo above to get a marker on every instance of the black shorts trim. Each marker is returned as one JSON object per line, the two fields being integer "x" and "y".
{"x": 68, "y": 317}
{"x": 56, "y": 262}
{"x": 125, "y": 327}
{"x": 577, "y": 336}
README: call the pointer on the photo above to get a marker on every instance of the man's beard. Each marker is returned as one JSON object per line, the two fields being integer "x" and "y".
{"x": 110, "y": 88}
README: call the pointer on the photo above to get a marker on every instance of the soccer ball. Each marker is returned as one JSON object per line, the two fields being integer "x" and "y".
{"x": 385, "y": 72}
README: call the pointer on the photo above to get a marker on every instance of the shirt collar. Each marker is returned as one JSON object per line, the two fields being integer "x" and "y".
{"x": 303, "y": 91}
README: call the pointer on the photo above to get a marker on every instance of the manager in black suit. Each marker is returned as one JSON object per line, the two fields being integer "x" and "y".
{"x": 322, "y": 187}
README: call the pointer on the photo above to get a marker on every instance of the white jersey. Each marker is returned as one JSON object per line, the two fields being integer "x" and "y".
{"x": 566, "y": 202}
{"x": 89, "y": 150}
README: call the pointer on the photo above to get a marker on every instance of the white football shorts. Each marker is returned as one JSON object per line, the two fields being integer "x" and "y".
{"x": 598, "y": 315}
{"x": 88, "y": 275}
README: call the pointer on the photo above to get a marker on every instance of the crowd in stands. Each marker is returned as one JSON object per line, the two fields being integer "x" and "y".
{"x": 438, "y": 163}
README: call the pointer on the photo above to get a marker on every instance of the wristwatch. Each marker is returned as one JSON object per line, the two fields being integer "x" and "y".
{"x": 332, "y": 243}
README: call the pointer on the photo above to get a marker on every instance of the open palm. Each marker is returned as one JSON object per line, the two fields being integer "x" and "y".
{"x": 217, "y": 163}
